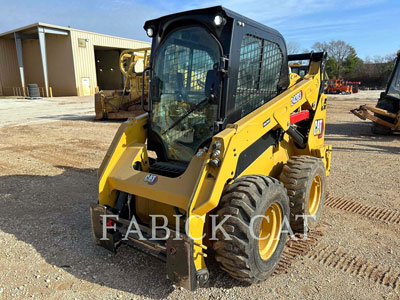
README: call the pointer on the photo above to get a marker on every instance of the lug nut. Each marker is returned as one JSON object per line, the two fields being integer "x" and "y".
{"x": 215, "y": 162}
{"x": 216, "y": 153}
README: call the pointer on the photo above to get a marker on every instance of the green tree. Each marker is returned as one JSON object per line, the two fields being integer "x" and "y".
{"x": 352, "y": 64}
{"x": 338, "y": 52}
{"x": 331, "y": 67}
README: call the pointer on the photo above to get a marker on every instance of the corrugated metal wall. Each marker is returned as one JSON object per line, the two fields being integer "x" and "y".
{"x": 60, "y": 65}
{"x": 9, "y": 71}
{"x": 84, "y": 59}
{"x": 68, "y": 63}
{"x": 33, "y": 68}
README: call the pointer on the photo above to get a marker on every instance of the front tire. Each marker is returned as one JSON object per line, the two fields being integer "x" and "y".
{"x": 243, "y": 255}
{"x": 305, "y": 180}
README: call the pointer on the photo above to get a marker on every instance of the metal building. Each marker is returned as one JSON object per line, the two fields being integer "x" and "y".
{"x": 61, "y": 60}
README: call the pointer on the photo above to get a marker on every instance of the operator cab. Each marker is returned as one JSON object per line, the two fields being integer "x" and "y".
{"x": 203, "y": 77}
{"x": 393, "y": 89}
{"x": 298, "y": 69}
{"x": 391, "y": 97}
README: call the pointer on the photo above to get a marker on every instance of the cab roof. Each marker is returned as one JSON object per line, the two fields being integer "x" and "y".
{"x": 215, "y": 10}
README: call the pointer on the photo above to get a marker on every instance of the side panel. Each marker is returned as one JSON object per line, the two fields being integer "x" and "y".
{"x": 128, "y": 133}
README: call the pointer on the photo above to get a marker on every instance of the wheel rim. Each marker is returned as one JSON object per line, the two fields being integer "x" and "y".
{"x": 315, "y": 195}
{"x": 270, "y": 231}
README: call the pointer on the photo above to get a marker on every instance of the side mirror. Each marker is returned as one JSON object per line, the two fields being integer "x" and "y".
{"x": 211, "y": 86}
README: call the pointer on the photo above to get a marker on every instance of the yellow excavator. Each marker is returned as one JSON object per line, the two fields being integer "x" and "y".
{"x": 126, "y": 104}
{"x": 386, "y": 114}
{"x": 228, "y": 157}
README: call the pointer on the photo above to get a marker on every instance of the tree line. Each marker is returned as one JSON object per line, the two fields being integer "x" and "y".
{"x": 343, "y": 62}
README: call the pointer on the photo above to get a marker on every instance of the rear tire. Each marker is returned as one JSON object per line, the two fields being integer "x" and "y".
{"x": 244, "y": 257}
{"x": 305, "y": 180}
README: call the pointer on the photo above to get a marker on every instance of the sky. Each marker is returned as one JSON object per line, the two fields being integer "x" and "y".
{"x": 372, "y": 27}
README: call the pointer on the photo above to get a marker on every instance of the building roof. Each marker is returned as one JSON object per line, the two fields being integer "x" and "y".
{"x": 33, "y": 28}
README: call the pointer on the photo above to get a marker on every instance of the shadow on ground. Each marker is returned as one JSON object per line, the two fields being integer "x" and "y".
{"x": 360, "y": 131}
{"x": 52, "y": 214}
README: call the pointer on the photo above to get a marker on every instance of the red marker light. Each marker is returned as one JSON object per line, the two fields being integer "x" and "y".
{"x": 110, "y": 223}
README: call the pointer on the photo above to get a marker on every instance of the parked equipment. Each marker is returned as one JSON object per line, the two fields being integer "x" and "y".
{"x": 299, "y": 69}
{"x": 355, "y": 86}
{"x": 337, "y": 86}
{"x": 126, "y": 104}
{"x": 386, "y": 114}
{"x": 225, "y": 134}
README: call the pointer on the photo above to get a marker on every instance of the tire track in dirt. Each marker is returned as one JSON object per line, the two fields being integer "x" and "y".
{"x": 385, "y": 215}
{"x": 338, "y": 258}
{"x": 295, "y": 249}
{"x": 303, "y": 247}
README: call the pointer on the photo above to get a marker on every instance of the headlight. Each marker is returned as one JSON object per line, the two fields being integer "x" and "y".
{"x": 150, "y": 32}
{"x": 218, "y": 20}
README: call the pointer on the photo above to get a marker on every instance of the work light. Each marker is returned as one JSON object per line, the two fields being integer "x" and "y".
{"x": 150, "y": 32}
{"x": 218, "y": 20}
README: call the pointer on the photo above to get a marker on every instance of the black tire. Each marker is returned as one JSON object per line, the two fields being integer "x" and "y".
{"x": 377, "y": 128}
{"x": 298, "y": 176}
{"x": 33, "y": 90}
{"x": 245, "y": 198}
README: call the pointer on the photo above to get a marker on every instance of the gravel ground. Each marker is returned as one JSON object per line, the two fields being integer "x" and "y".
{"x": 49, "y": 154}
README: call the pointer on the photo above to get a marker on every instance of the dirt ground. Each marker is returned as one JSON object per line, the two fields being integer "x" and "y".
{"x": 49, "y": 152}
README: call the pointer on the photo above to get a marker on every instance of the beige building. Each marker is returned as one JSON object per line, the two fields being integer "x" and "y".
{"x": 61, "y": 60}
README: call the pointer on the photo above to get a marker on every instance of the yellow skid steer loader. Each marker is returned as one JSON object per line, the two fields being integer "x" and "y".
{"x": 229, "y": 155}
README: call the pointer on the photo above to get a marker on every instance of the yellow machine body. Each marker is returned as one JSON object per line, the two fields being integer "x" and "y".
{"x": 198, "y": 190}
{"x": 222, "y": 108}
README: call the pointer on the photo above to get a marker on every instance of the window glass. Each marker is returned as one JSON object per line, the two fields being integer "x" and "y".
{"x": 394, "y": 89}
{"x": 179, "y": 79}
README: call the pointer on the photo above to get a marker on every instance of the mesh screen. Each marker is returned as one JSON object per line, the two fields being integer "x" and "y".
{"x": 259, "y": 72}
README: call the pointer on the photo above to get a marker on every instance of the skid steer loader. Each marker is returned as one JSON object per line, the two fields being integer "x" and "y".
{"x": 126, "y": 104}
{"x": 229, "y": 154}
{"x": 386, "y": 114}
